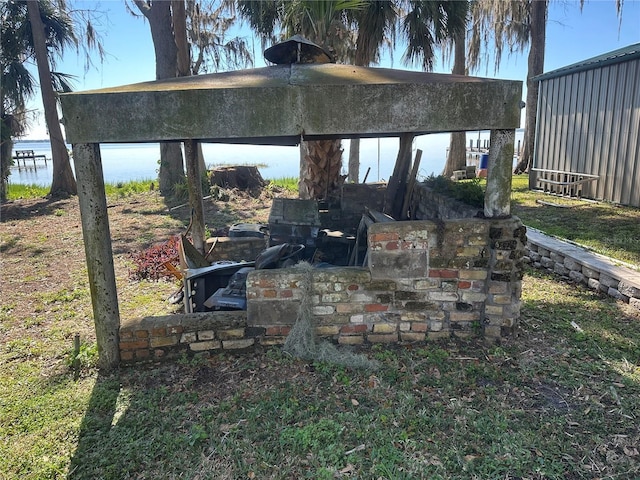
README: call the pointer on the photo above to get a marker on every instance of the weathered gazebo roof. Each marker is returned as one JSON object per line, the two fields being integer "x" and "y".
{"x": 281, "y": 103}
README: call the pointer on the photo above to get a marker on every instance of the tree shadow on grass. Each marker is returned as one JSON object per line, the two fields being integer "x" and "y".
{"x": 137, "y": 426}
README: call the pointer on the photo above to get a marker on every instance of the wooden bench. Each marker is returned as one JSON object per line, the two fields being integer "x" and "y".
{"x": 561, "y": 182}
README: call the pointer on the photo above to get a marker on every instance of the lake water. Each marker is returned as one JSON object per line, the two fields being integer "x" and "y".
{"x": 122, "y": 162}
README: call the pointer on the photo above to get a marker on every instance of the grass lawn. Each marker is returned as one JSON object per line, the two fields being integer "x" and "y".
{"x": 606, "y": 228}
{"x": 556, "y": 402}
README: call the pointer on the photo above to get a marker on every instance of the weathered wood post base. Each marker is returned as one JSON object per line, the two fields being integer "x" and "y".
{"x": 98, "y": 251}
{"x": 497, "y": 198}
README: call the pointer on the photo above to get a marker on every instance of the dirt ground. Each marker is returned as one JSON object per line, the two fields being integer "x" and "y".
{"x": 43, "y": 281}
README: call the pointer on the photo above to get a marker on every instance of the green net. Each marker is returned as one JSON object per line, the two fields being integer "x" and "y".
{"x": 302, "y": 342}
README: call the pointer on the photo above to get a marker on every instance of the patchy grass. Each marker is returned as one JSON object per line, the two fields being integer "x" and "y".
{"x": 556, "y": 402}
{"x": 606, "y": 228}
{"x": 289, "y": 184}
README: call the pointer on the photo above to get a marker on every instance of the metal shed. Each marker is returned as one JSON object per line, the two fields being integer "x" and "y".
{"x": 588, "y": 128}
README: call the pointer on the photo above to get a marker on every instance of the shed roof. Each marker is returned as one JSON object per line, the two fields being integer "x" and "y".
{"x": 616, "y": 56}
{"x": 279, "y": 104}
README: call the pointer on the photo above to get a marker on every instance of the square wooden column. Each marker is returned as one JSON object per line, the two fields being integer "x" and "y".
{"x": 98, "y": 251}
{"x": 497, "y": 197}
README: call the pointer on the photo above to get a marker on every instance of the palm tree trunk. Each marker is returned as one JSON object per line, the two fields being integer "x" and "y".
{"x": 536, "y": 67}
{"x": 457, "y": 159}
{"x": 166, "y": 52}
{"x": 320, "y": 166}
{"x": 64, "y": 184}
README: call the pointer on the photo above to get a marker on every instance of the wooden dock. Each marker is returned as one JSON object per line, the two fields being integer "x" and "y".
{"x": 30, "y": 155}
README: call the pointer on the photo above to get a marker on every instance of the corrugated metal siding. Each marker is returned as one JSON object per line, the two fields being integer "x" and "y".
{"x": 589, "y": 122}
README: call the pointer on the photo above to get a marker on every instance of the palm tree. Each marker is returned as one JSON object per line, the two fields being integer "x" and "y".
{"x": 17, "y": 85}
{"x": 40, "y": 31}
{"x": 326, "y": 24}
{"x": 64, "y": 183}
{"x": 515, "y": 24}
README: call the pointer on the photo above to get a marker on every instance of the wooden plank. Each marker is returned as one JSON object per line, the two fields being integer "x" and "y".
{"x": 398, "y": 182}
{"x": 411, "y": 185}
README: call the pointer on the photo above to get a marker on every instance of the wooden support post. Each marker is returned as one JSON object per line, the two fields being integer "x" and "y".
{"x": 398, "y": 182}
{"x": 98, "y": 252}
{"x": 497, "y": 198}
{"x": 194, "y": 185}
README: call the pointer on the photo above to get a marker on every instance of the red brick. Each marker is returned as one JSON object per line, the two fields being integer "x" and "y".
{"x": 353, "y": 287}
{"x": 384, "y": 237}
{"x": 285, "y": 330}
{"x": 134, "y": 345}
{"x": 376, "y": 307}
{"x": 159, "y": 332}
{"x": 443, "y": 273}
{"x": 286, "y": 294}
{"x": 175, "y": 330}
{"x": 126, "y": 356}
{"x": 142, "y": 353}
{"x": 392, "y": 246}
{"x": 464, "y": 284}
{"x": 349, "y": 329}
{"x": 264, "y": 283}
{"x": 269, "y": 293}
{"x": 419, "y": 327}
{"x": 270, "y": 331}
{"x": 142, "y": 334}
{"x": 126, "y": 334}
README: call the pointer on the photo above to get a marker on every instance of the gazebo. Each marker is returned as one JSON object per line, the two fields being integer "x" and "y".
{"x": 281, "y": 104}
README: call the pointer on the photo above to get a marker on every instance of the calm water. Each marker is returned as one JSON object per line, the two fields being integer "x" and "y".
{"x": 122, "y": 162}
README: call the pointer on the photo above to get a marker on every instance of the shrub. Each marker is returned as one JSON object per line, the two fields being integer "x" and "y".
{"x": 466, "y": 191}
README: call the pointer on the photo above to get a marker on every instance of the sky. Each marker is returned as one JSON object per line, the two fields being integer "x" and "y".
{"x": 572, "y": 36}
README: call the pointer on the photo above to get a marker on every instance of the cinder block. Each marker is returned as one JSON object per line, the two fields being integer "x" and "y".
{"x": 628, "y": 290}
{"x": 412, "y": 337}
{"x": 238, "y": 344}
{"x": 201, "y": 346}
{"x": 164, "y": 341}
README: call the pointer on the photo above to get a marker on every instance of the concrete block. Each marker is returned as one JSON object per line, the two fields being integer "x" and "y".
{"x": 351, "y": 340}
{"x": 556, "y": 257}
{"x": 206, "y": 335}
{"x": 438, "y": 335}
{"x": 628, "y": 290}
{"x": 238, "y": 344}
{"x": 188, "y": 337}
{"x": 608, "y": 281}
{"x": 546, "y": 262}
{"x": 412, "y": 337}
{"x": 231, "y": 334}
{"x": 590, "y": 272}
{"x": 577, "y": 276}
{"x": 617, "y": 295}
{"x": 202, "y": 346}
{"x": 164, "y": 341}
{"x": 385, "y": 328}
{"x": 560, "y": 269}
{"x": 383, "y": 338}
{"x": 327, "y": 330}
{"x": 571, "y": 264}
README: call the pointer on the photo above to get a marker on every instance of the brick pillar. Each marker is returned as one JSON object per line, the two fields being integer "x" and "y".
{"x": 504, "y": 283}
